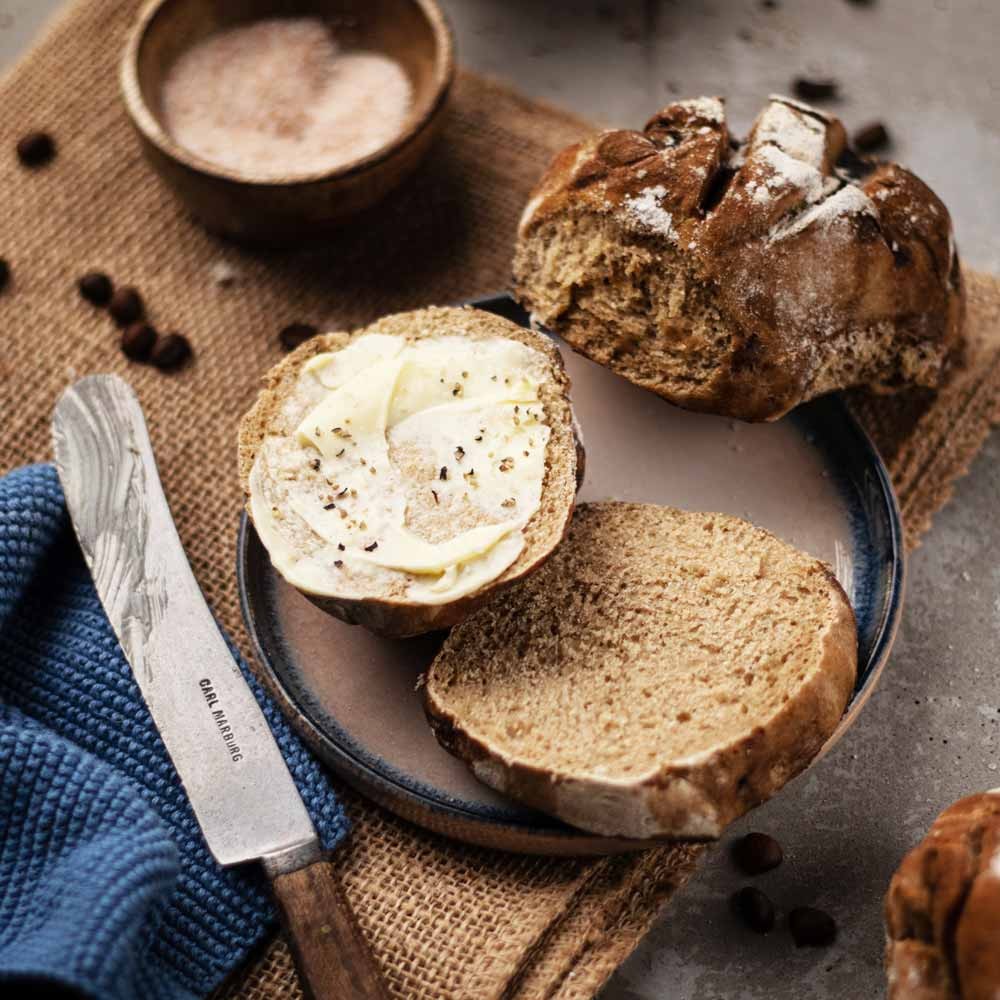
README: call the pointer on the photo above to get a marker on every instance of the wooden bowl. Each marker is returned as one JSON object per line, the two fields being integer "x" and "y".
{"x": 279, "y": 211}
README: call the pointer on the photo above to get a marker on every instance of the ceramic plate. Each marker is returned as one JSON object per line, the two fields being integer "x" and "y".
{"x": 813, "y": 478}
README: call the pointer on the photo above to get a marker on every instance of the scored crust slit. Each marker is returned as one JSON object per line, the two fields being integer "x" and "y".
{"x": 400, "y": 474}
{"x": 742, "y": 278}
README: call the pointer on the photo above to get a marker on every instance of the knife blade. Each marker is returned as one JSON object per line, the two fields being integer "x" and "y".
{"x": 233, "y": 773}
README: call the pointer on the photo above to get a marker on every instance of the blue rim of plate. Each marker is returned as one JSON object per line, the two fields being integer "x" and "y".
{"x": 861, "y": 476}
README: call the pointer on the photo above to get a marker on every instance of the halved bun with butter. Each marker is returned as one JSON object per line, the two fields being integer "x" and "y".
{"x": 401, "y": 474}
{"x": 663, "y": 673}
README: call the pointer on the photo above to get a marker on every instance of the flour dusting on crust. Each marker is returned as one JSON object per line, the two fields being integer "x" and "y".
{"x": 849, "y": 202}
{"x": 645, "y": 209}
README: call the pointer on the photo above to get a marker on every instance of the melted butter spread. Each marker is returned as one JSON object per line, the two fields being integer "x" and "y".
{"x": 413, "y": 467}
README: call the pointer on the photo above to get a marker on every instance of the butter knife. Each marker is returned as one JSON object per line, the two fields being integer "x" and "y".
{"x": 239, "y": 787}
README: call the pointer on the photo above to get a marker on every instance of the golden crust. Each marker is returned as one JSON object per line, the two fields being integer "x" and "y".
{"x": 817, "y": 269}
{"x": 942, "y": 910}
{"x": 391, "y": 616}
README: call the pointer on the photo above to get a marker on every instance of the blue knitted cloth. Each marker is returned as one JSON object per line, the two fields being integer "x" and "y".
{"x": 106, "y": 884}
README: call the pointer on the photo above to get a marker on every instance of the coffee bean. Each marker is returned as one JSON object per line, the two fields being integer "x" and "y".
{"x": 125, "y": 306}
{"x": 295, "y": 334}
{"x": 171, "y": 351}
{"x": 812, "y": 89}
{"x": 871, "y": 137}
{"x": 757, "y": 853}
{"x": 811, "y": 928}
{"x": 4, "y": 274}
{"x": 769, "y": 4}
{"x": 95, "y": 288}
{"x": 754, "y": 908}
{"x": 138, "y": 340}
{"x": 36, "y": 149}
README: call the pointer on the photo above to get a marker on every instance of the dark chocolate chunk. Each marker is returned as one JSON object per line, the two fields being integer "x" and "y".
{"x": 811, "y": 928}
{"x": 867, "y": 229}
{"x": 125, "y": 306}
{"x": 815, "y": 89}
{"x": 4, "y": 274}
{"x": 296, "y": 334}
{"x": 96, "y": 288}
{"x": 871, "y": 137}
{"x": 171, "y": 351}
{"x": 854, "y": 167}
{"x": 757, "y": 853}
{"x": 754, "y": 908}
{"x": 36, "y": 149}
{"x": 138, "y": 340}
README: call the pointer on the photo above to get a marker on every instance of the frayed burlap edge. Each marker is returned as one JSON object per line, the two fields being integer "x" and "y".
{"x": 446, "y": 921}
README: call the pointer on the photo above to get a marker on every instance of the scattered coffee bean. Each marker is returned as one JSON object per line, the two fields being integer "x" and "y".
{"x": 170, "y": 351}
{"x": 871, "y": 137}
{"x": 295, "y": 334}
{"x": 769, "y": 4}
{"x": 862, "y": 3}
{"x": 95, "y": 288}
{"x": 757, "y": 853}
{"x": 813, "y": 89}
{"x": 138, "y": 340}
{"x": 811, "y": 928}
{"x": 36, "y": 149}
{"x": 125, "y": 306}
{"x": 4, "y": 274}
{"x": 754, "y": 908}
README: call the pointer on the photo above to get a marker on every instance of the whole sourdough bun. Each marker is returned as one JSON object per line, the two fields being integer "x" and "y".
{"x": 942, "y": 912}
{"x": 742, "y": 278}
{"x": 663, "y": 673}
{"x": 364, "y": 547}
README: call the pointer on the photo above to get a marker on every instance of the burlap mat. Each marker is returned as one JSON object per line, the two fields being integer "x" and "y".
{"x": 447, "y": 921}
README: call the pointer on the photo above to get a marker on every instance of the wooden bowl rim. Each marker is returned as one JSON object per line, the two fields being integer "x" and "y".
{"x": 149, "y": 125}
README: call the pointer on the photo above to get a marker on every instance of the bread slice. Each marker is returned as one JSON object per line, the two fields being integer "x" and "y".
{"x": 742, "y": 278}
{"x": 427, "y": 536}
{"x": 663, "y": 673}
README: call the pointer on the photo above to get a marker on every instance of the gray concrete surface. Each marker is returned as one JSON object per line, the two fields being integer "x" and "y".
{"x": 930, "y": 733}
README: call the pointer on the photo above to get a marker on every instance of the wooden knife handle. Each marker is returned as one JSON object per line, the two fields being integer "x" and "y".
{"x": 331, "y": 954}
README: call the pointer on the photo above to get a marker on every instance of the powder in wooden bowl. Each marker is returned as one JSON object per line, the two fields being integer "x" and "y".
{"x": 277, "y": 97}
